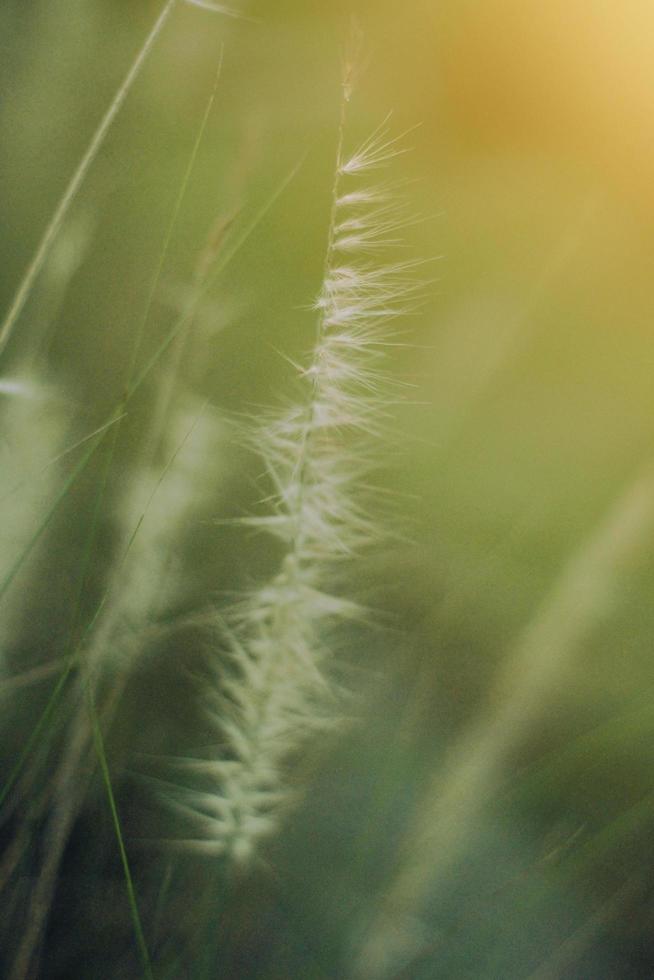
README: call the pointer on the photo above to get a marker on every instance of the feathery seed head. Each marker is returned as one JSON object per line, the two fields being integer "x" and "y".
{"x": 270, "y": 694}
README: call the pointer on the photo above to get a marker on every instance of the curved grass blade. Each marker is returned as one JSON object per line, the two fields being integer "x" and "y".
{"x": 76, "y": 181}
{"x": 140, "y": 379}
{"x": 98, "y": 741}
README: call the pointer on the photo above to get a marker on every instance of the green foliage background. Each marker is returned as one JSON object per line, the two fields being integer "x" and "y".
{"x": 529, "y": 415}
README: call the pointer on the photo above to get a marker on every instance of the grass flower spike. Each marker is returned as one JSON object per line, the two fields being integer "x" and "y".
{"x": 275, "y": 688}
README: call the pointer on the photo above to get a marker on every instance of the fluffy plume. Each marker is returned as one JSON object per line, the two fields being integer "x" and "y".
{"x": 274, "y": 689}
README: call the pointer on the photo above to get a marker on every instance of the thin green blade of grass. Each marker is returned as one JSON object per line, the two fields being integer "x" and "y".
{"x": 101, "y": 754}
{"x": 461, "y": 789}
{"x": 61, "y": 683}
{"x": 64, "y": 807}
{"x": 76, "y": 181}
{"x": 116, "y": 416}
{"x": 227, "y": 257}
{"x": 610, "y": 839}
{"x": 618, "y": 732}
{"x": 579, "y": 863}
{"x": 137, "y": 342}
{"x": 29, "y": 677}
{"x": 140, "y": 379}
{"x": 172, "y": 223}
{"x": 34, "y": 736}
{"x": 71, "y": 479}
{"x": 67, "y": 452}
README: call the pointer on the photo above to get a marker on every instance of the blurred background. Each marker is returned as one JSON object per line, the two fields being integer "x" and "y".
{"x": 487, "y": 809}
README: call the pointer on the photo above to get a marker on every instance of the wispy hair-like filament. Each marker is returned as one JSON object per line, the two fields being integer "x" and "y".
{"x": 275, "y": 688}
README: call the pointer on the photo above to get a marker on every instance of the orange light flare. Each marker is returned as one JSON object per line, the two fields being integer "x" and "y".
{"x": 565, "y": 77}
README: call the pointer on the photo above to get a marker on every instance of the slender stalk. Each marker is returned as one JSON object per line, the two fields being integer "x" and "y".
{"x": 77, "y": 179}
{"x": 69, "y": 795}
{"x": 273, "y": 692}
{"x": 71, "y": 661}
{"x": 98, "y": 741}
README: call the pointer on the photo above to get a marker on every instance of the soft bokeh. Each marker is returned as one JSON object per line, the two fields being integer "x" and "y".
{"x": 487, "y": 810}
